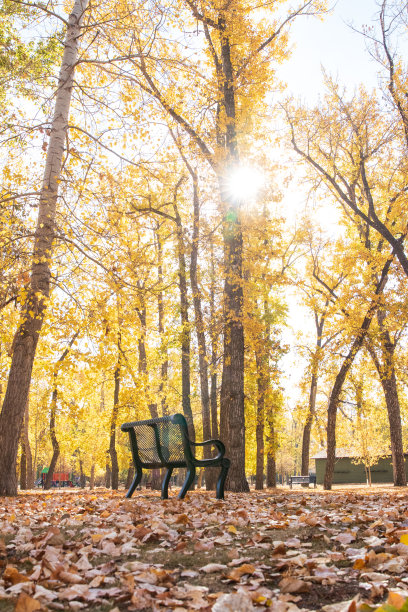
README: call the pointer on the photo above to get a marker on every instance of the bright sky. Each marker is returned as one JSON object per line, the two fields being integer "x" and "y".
{"x": 333, "y": 45}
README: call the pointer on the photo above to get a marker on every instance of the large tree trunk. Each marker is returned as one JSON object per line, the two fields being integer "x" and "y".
{"x": 341, "y": 377}
{"x": 389, "y": 384}
{"x": 33, "y": 311}
{"x": 232, "y": 418}
{"x": 386, "y": 372}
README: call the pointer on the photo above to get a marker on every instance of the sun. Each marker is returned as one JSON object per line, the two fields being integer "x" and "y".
{"x": 243, "y": 183}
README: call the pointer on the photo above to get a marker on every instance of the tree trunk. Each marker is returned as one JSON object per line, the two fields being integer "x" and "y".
{"x": 54, "y": 441}
{"x": 26, "y": 463}
{"x": 312, "y": 396}
{"x": 232, "y": 385}
{"x": 82, "y": 479}
{"x": 33, "y": 310}
{"x": 92, "y": 478}
{"x": 185, "y": 325}
{"x": 108, "y": 471}
{"x": 199, "y": 324}
{"x": 271, "y": 457}
{"x": 163, "y": 348}
{"x": 114, "y": 418}
{"x": 341, "y": 377}
{"x": 130, "y": 475}
{"x": 386, "y": 372}
{"x": 262, "y": 385}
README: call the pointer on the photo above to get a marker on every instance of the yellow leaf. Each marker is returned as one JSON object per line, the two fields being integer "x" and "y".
{"x": 232, "y": 529}
{"x": 404, "y": 538}
{"x": 395, "y": 599}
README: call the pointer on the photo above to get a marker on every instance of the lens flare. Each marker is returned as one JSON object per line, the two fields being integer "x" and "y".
{"x": 243, "y": 183}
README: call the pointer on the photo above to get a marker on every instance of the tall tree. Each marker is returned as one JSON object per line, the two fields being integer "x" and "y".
{"x": 35, "y": 301}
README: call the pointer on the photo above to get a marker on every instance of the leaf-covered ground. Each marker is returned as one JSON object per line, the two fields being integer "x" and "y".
{"x": 280, "y": 551}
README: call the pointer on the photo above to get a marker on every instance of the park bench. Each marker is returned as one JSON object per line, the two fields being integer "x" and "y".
{"x": 311, "y": 479}
{"x": 164, "y": 443}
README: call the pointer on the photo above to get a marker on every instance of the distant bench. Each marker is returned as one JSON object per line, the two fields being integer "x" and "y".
{"x": 311, "y": 479}
{"x": 164, "y": 443}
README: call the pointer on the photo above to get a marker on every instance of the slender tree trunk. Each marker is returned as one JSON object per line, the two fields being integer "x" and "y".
{"x": 163, "y": 348}
{"x": 199, "y": 324}
{"x": 341, "y": 377}
{"x": 130, "y": 475}
{"x": 312, "y": 396}
{"x": 33, "y": 311}
{"x": 26, "y": 463}
{"x": 114, "y": 418}
{"x": 185, "y": 332}
{"x": 92, "y": 478}
{"x": 271, "y": 456}
{"x": 82, "y": 479}
{"x": 214, "y": 352}
{"x": 53, "y": 413}
{"x": 53, "y": 436}
{"x": 262, "y": 386}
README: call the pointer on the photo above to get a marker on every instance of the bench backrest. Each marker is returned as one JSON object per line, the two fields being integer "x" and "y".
{"x": 159, "y": 441}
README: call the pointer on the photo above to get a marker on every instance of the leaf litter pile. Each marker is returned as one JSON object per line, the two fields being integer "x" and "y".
{"x": 280, "y": 551}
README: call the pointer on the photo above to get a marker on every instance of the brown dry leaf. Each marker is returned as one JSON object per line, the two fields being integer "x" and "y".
{"x": 105, "y": 514}
{"x": 70, "y": 577}
{"x": 25, "y": 603}
{"x": 237, "y": 573}
{"x": 294, "y": 585}
{"x": 203, "y": 546}
{"x": 11, "y": 575}
{"x": 182, "y": 519}
{"x": 141, "y": 599}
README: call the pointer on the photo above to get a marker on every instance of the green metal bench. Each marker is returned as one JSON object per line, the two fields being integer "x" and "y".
{"x": 164, "y": 443}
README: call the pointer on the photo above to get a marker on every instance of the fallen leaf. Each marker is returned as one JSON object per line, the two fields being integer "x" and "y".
{"x": 294, "y": 585}
{"x": 238, "y": 572}
{"x": 25, "y": 603}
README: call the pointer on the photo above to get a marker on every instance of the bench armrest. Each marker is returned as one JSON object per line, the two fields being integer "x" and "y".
{"x": 217, "y": 443}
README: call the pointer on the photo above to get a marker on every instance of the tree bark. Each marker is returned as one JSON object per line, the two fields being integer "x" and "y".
{"x": 386, "y": 372}
{"x": 35, "y": 303}
{"x": 232, "y": 418}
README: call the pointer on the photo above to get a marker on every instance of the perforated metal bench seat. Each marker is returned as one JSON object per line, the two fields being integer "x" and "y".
{"x": 164, "y": 443}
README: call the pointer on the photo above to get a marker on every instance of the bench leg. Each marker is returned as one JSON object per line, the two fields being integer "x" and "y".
{"x": 135, "y": 482}
{"x": 221, "y": 478}
{"x": 165, "y": 484}
{"x": 188, "y": 482}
